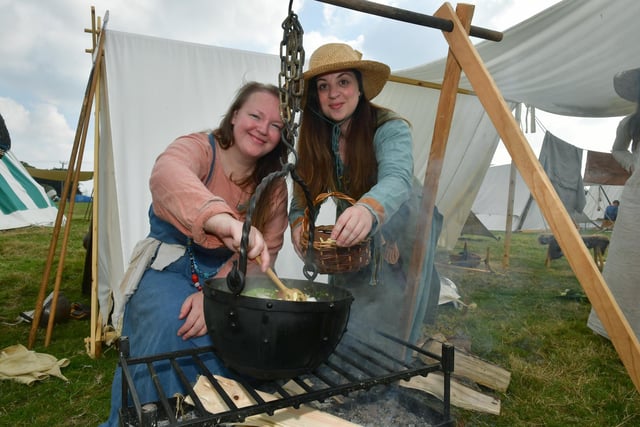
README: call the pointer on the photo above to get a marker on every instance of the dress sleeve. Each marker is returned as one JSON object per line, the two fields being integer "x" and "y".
{"x": 394, "y": 150}
{"x": 273, "y": 232}
{"x": 178, "y": 188}
{"x": 620, "y": 150}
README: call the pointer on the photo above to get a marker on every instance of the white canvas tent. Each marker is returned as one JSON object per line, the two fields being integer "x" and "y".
{"x": 156, "y": 89}
{"x": 23, "y": 202}
{"x": 490, "y": 205}
{"x": 599, "y": 197}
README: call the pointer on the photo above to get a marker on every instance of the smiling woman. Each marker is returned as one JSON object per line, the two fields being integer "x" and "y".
{"x": 200, "y": 187}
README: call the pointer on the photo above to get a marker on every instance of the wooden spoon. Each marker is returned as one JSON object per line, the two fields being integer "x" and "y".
{"x": 289, "y": 294}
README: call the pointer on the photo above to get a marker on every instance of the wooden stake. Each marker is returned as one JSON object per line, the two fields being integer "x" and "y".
{"x": 585, "y": 269}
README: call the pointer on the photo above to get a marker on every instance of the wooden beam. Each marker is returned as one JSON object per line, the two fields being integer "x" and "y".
{"x": 442, "y": 127}
{"x": 424, "y": 83}
{"x": 585, "y": 269}
{"x": 462, "y": 396}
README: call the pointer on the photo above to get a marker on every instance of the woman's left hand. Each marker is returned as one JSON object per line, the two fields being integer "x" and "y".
{"x": 353, "y": 226}
{"x": 192, "y": 312}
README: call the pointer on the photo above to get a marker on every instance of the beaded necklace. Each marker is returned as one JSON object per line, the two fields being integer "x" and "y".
{"x": 196, "y": 273}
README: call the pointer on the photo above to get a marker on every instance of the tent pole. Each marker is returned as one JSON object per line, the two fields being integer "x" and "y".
{"x": 70, "y": 187}
{"x": 584, "y": 267}
{"x": 54, "y": 239}
{"x": 510, "y": 201}
{"x": 94, "y": 345}
{"x": 442, "y": 127}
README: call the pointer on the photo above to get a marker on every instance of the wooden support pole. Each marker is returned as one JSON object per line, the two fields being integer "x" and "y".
{"x": 68, "y": 192}
{"x": 94, "y": 348}
{"x": 442, "y": 127}
{"x": 578, "y": 256}
{"x": 510, "y": 201}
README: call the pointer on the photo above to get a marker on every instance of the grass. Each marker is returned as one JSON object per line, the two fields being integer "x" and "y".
{"x": 84, "y": 399}
{"x": 562, "y": 373}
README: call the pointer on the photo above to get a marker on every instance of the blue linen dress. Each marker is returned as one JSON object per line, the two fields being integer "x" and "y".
{"x": 151, "y": 321}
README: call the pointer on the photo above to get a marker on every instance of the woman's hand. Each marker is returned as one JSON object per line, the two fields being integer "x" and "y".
{"x": 192, "y": 311}
{"x": 229, "y": 230}
{"x": 296, "y": 237}
{"x": 353, "y": 226}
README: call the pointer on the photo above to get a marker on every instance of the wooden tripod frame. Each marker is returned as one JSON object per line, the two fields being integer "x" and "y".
{"x": 580, "y": 260}
{"x": 463, "y": 56}
{"x": 69, "y": 192}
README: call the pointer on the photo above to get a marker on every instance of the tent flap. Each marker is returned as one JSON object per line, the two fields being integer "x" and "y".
{"x": 23, "y": 201}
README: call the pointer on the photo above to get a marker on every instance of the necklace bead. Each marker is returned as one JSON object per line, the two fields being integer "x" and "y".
{"x": 196, "y": 273}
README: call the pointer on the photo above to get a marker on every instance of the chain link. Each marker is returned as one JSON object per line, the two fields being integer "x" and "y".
{"x": 291, "y": 86}
{"x": 290, "y": 78}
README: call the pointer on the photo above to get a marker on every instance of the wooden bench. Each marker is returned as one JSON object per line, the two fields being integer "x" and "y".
{"x": 597, "y": 243}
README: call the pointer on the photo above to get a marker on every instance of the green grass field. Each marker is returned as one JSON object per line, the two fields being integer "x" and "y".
{"x": 523, "y": 321}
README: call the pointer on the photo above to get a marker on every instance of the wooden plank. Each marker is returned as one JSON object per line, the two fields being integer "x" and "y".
{"x": 475, "y": 369}
{"x": 461, "y": 396}
{"x": 585, "y": 269}
{"x": 304, "y": 416}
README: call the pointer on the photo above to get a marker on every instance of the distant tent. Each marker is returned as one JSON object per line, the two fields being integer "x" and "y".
{"x": 23, "y": 202}
{"x": 475, "y": 227}
{"x": 599, "y": 197}
{"x": 490, "y": 205}
{"x": 55, "y": 177}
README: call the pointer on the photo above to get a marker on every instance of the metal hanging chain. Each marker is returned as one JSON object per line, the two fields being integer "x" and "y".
{"x": 290, "y": 78}
{"x": 291, "y": 85}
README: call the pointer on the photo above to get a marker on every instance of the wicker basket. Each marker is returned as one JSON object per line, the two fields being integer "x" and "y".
{"x": 327, "y": 256}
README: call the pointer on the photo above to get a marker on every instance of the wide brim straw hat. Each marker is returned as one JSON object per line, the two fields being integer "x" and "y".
{"x": 333, "y": 57}
{"x": 627, "y": 84}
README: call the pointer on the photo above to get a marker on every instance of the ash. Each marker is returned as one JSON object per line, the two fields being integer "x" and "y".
{"x": 384, "y": 406}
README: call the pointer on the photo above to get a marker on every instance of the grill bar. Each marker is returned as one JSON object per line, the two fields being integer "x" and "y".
{"x": 354, "y": 365}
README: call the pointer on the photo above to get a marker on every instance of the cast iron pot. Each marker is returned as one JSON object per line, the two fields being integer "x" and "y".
{"x": 270, "y": 338}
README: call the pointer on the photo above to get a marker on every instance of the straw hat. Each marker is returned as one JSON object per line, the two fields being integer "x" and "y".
{"x": 627, "y": 84}
{"x": 339, "y": 56}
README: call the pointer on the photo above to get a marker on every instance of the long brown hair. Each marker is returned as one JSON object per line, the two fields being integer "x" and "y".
{"x": 315, "y": 155}
{"x": 267, "y": 164}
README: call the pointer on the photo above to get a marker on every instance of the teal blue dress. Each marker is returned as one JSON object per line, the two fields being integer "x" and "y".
{"x": 381, "y": 288}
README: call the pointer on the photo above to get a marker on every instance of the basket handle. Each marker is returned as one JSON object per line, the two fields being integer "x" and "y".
{"x": 338, "y": 195}
{"x": 320, "y": 198}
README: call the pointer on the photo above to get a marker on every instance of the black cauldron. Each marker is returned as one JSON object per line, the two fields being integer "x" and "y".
{"x": 270, "y": 338}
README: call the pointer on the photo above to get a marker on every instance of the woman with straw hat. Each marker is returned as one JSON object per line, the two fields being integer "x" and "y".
{"x": 349, "y": 145}
{"x": 621, "y": 269}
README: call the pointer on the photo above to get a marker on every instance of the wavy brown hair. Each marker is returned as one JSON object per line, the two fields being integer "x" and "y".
{"x": 315, "y": 155}
{"x": 267, "y": 164}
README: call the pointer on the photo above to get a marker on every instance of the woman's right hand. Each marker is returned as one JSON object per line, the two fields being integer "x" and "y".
{"x": 229, "y": 230}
